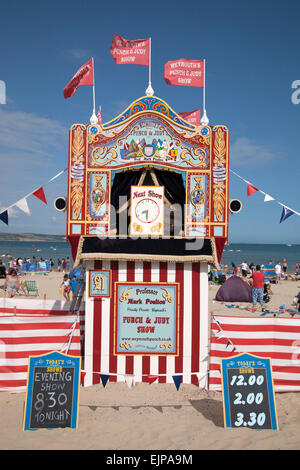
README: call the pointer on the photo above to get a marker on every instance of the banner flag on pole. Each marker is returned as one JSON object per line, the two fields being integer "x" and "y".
{"x": 177, "y": 380}
{"x": 285, "y": 214}
{"x": 23, "y": 205}
{"x": 39, "y": 193}
{"x": 251, "y": 189}
{"x": 83, "y": 76}
{"x": 135, "y": 51}
{"x": 185, "y": 72}
{"x": 193, "y": 117}
{"x": 4, "y": 217}
{"x": 104, "y": 379}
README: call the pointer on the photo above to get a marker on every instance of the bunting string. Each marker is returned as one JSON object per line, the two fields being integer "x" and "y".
{"x": 22, "y": 203}
{"x": 251, "y": 189}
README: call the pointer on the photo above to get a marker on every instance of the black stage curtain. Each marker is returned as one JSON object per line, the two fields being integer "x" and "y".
{"x": 174, "y": 187}
{"x": 171, "y": 247}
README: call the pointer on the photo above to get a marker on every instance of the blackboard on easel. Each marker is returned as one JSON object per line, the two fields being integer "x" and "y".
{"x": 52, "y": 396}
{"x": 248, "y": 392}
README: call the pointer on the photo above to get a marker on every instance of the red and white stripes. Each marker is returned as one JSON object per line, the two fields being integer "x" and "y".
{"x": 277, "y": 338}
{"x": 193, "y": 327}
{"x": 25, "y": 333}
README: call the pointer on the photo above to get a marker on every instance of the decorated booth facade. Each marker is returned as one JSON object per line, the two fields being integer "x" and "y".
{"x": 147, "y": 214}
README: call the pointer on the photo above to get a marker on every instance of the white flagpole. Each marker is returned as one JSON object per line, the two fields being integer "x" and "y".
{"x": 93, "y": 119}
{"x": 149, "y": 91}
{"x": 204, "y": 119}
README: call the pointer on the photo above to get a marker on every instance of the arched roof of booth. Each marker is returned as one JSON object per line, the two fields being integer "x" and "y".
{"x": 153, "y": 105}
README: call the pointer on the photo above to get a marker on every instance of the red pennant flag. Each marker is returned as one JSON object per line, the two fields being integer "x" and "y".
{"x": 83, "y": 76}
{"x": 130, "y": 52}
{"x": 82, "y": 375}
{"x": 99, "y": 116}
{"x": 152, "y": 378}
{"x": 251, "y": 189}
{"x": 185, "y": 72}
{"x": 193, "y": 117}
{"x": 39, "y": 193}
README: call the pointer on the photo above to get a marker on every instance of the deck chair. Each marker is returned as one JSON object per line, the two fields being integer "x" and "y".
{"x": 31, "y": 286}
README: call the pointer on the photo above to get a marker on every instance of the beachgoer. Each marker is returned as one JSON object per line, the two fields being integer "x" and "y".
{"x": 278, "y": 271}
{"x": 51, "y": 262}
{"x": 66, "y": 287}
{"x": 11, "y": 284}
{"x": 244, "y": 269}
{"x": 64, "y": 265}
{"x": 258, "y": 280}
{"x": 73, "y": 284}
{"x": 58, "y": 265}
{"x": 2, "y": 271}
{"x": 284, "y": 268}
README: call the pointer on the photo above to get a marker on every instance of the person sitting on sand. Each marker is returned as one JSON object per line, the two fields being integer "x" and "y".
{"x": 258, "y": 280}
{"x": 11, "y": 284}
{"x": 66, "y": 287}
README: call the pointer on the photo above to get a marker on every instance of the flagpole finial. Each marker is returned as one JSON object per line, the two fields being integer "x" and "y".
{"x": 93, "y": 119}
{"x": 204, "y": 119}
{"x": 149, "y": 91}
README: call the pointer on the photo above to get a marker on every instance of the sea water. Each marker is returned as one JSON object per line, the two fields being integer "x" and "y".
{"x": 233, "y": 253}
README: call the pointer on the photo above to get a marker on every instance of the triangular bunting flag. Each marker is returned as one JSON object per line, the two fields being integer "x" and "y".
{"x": 82, "y": 375}
{"x": 129, "y": 380}
{"x": 251, "y": 189}
{"x": 268, "y": 198}
{"x": 104, "y": 379}
{"x": 177, "y": 380}
{"x": 202, "y": 378}
{"x": 4, "y": 217}
{"x": 22, "y": 204}
{"x": 285, "y": 214}
{"x": 152, "y": 378}
{"x": 39, "y": 193}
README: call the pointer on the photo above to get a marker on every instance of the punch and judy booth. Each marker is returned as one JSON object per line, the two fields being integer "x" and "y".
{"x": 147, "y": 214}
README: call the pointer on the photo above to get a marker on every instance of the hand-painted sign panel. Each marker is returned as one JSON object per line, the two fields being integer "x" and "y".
{"x": 146, "y": 318}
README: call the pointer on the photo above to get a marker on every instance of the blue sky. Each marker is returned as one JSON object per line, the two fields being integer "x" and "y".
{"x": 252, "y": 58}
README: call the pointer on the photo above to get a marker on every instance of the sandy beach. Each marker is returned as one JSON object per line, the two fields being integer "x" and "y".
{"x": 156, "y": 416}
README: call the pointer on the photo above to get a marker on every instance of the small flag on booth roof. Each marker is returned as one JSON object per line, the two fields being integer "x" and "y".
{"x": 39, "y": 193}
{"x": 83, "y": 76}
{"x": 4, "y": 217}
{"x": 285, "y": 214}
{"x": 152, "y": 378}
{"x": 177, "y": 380}
{"x": 99, "y": 116}
{"x": 193, "y": 117}
{"x": 136, "y": 51}
{"x": 251, "y": 189}
{"x": 104, "y": 379}
{"x": 184, "y": 72}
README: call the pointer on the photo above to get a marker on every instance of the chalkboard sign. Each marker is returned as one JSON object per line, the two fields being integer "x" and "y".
{"x": 52, "y": 396}
{"x": 248, "y": 395}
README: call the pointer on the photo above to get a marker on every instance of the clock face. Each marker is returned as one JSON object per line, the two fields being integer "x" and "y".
{"x": 147, "y": 210}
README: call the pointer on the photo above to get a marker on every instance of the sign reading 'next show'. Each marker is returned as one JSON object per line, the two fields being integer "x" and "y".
{"x": 146, "y": 318}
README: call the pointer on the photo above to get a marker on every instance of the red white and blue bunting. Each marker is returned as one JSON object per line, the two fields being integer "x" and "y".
{"x": 251, "y": 189}
{"x": 22, "y": 203}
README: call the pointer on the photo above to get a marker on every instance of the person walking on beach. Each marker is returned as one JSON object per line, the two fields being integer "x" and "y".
{"x": 284, "y": 268}
{"x": 258, "y": 287}
{"x": 66, "y": 287}
{"x": 278, "y": 271}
